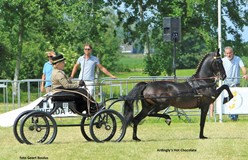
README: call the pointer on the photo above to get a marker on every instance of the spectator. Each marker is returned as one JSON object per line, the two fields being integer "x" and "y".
{"x": 46, "y": 73}
{"x": 232, "y": 65}
{"x": 88, "y": 63}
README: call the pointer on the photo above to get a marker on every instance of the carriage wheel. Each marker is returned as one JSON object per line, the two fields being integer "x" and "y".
{"x": 108, "y": 125}
{"x": 36, "y": 128}
{"x": 85, "y": 128}
{"x": 16, "y": 126}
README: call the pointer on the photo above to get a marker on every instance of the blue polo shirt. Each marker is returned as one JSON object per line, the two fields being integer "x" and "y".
{"x": 88, "y": 66}
{"x": 47, "y": 70}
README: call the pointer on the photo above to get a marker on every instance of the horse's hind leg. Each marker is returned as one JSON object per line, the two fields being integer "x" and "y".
{"x": 136, "y": 121}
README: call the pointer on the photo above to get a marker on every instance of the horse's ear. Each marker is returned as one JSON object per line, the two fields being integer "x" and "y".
{"x": 218, "y": 52}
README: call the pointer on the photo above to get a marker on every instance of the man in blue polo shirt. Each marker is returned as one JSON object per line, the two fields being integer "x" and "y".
{"x": 88, "y": 64}
{"x": 47, "y": 72}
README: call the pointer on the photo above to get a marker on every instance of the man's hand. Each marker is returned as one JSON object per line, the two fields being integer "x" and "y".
{"x": 245, "y": 77}
{"x": 81, "y": 83}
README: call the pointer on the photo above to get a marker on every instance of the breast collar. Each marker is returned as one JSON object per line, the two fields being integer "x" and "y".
{"x": 196, "y": 86}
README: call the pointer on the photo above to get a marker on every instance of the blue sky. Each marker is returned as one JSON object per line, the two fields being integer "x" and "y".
{"x": 245, "y": 34}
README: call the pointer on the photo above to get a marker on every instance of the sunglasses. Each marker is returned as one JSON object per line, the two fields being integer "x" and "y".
{"x": 49, "y": 56}
{"x": 87, "y": 49}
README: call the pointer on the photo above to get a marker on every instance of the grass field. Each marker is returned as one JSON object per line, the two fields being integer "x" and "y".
{"x": 132, "y": 61}
{"x": 135, "y": 63}
{"x": 227, "y": 140}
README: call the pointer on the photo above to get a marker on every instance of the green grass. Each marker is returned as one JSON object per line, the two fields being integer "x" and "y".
{"x": 185, "y": 72}
{"x": 132, "y": 61}
{"x": 181, "y": 72}
{"x": 131, "y": 74}
{"x": 136, "y": 64}
{"x": 227, "y": 140}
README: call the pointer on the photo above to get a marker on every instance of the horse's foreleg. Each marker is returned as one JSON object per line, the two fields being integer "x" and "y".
{"x": 204, "y": 111}
{"x": 225, "y": 87}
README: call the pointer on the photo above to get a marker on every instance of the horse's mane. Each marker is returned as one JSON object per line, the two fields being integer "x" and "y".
{"x": 200, "y": 64}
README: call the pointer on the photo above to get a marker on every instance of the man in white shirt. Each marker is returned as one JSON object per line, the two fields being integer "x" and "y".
{"x": 232, "y": 65}
{"x": 88, "y": 64}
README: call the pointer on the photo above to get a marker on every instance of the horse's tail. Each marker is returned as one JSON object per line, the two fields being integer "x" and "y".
{"x": 133, "y": 95}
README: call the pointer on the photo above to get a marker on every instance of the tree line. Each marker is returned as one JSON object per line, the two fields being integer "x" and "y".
{"x": 29, "y": 28}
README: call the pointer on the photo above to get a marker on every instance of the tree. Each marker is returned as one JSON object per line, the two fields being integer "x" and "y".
{"x": 30, "y": 28}
{"x": 199, "y": 24}
{"x": 14, "y": 14}
{"x": 5, "y": 58}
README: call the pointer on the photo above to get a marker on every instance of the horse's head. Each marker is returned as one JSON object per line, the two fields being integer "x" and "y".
{"x": 217, "y": 65}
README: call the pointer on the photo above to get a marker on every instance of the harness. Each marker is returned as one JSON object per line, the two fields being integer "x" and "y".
{"x": 196, "y": 87}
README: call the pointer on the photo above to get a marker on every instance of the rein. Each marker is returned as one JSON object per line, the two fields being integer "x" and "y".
{"x": 169, "y": 80}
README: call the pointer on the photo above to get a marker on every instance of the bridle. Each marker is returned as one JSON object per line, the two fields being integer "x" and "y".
{"x": 216, "y": 59}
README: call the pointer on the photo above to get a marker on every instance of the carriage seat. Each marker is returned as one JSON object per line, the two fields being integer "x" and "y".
{"x": 63, "y": 98}
{"x": 59, "y": 100}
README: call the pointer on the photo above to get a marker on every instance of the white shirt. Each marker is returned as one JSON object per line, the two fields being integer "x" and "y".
{"x": 232, "y": 68}
{"x": 88, "y": 66}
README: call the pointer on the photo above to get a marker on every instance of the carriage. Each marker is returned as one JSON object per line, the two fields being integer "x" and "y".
{"x": 39, "y": 127}
{"x": 106, "y": 124}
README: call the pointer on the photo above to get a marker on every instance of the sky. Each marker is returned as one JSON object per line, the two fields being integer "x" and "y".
{"x": 245, "y": 34}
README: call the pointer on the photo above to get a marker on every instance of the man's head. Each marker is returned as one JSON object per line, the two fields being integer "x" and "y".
{"x": 50, "y": 54}
{"x": 229, "y": 53}
{"x": 58, "y": 61}
{"x": 87, "y": 49}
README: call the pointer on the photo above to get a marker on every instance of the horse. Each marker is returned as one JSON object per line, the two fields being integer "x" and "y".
{"x": 198, "y": 91}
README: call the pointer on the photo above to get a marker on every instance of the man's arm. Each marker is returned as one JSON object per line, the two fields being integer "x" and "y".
{"x": 104, "y": 70}
{"x": 43, "y": 77}
{"x": 74, "y": 70}
{"x": 245, "y": 76}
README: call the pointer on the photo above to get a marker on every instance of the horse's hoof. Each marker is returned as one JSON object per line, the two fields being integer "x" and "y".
{"x": 225, "y": 100}
{"x": 137, "y": 139}
{"x": 168, "y": 121}
{"x": 203, "y": 137}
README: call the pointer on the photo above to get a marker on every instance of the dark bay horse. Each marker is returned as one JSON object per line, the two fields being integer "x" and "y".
{"x": 199, "y": 91}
